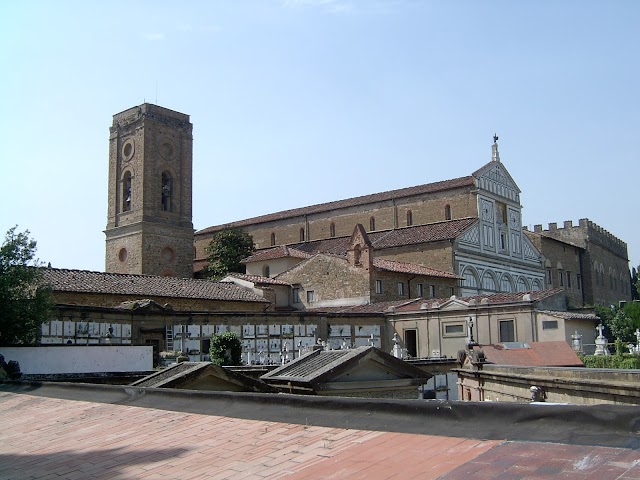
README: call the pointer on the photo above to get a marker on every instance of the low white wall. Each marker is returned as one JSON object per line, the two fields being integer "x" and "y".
{"x": 71, "y": 359}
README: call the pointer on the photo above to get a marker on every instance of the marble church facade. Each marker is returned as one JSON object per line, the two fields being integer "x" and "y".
{"x": 469, "y": 226}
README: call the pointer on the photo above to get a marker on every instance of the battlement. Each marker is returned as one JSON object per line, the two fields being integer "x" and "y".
{"x": 585, "y": 231}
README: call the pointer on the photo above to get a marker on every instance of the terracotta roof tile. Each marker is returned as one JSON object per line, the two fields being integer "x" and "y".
{"x": 533, "y": 354}
{"x": 257, "y": 279}
{"x": 402, "y": 267}
{"x": 372, "y": 308}
{"x": 417, "y": 303}
{"x": 282, "y": 251}
{"x": 83, "y": 281}
{"x": 328, "y": 365}
{"x": 432, "y": 232}
{"x": 336, "y": 246}
{"x": 349, "y": 202}
{"x": 200, "y": 264}
{"x": 572, "y": 315}
{"x": 493, "y": 299}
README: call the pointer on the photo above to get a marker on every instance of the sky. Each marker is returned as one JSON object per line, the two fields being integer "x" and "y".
{"x": 299, "y": 102}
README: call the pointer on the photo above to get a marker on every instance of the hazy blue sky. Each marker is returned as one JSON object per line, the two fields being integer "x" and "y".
{"x": 295, "y": 103}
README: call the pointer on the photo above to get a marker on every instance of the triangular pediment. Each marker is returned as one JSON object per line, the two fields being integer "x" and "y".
{"x": 202, "y": 376}
{"x": 529, "y": 251}
{"x": 495, "y": 179}
{"x": 371, "y": 370}
{"x": 471, "y": 236}
{"x": 362, "y": 364}
{"x": 360, "y": 237}
{"x": 454, "y": 304}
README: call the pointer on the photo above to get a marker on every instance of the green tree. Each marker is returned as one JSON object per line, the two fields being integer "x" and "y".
{"x": 621, "y": 323}
{"x": 25, "y": 303}
{"x": 226, "y": 349}
{"x": 635, "y": 284}
{"x": 225, "y": 251}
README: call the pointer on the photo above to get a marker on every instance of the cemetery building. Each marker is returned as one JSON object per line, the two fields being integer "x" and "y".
{"x": 359, "y": 372}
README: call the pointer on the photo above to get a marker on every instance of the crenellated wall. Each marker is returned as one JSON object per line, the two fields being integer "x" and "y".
{"x": 585, "y": 231}
{"x": 604, "y": 260}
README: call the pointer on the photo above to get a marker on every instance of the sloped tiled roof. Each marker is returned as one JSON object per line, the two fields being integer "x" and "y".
{"x": 313, "y": 364}
{"x": 417, "y": 303}
{"x": 432, "y": 232}
{"x": 534, "y": 354}
{"x": 325, "y": 365}
{"x": 185, "y": 374}
{"x": 257, "y": 279}
{"x": 403, "y": 267}
{"x": 84, "y": 281}
{"x": 492, "y": 299}
{"x": 572, "y": 315}
{"x": 399, "y": 267}
{"x": 200, "y": 264}
{"x": 349, "y": 202}
{"x": 336, "y": 246}
{"x": 281, "y": 251}
{"x": 371, "y": 308}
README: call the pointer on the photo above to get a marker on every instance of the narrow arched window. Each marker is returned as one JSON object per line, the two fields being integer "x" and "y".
{"x": 266, "y": 271}
{"x": 372, "y": 224}
{"x": 447, "y": 212}
{"x": 166, "y": 192}
{"x": 332, "y": 230}
{"x": 273, "y": 239}
{"x": 302, "y": 234}
{"x": 126, "y": 192}
{"x": 356, "y": 255}
{"x": 409, "y": 218}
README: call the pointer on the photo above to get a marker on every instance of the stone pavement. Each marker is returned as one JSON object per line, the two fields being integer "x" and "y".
{"x": 48, "y": 438}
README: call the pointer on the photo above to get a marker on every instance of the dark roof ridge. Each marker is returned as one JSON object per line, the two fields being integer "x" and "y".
{"x": 92, "y": 282}
{"x": 138, "y": 275}
{"x": 347, "y": 202}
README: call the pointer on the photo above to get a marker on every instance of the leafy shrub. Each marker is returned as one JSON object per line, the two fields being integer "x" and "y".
{"x": 226, "y": 349}
{"x": 624, "y": 361}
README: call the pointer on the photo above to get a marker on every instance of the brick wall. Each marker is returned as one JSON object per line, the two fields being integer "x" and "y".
{"x": 561, "y": 254}
{"x": 437, "y": 255}
{"x": 388, "y": 214}
{"x": 390, "y": 289}
{"x": 604, "y": 255}
{"x": 330, "y": 278}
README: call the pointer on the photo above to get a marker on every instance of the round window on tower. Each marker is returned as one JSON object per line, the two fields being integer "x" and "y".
{"x": 122, "y": 255}
{"x": 168, "y": 255}
{"x": 128, "y": 149}
{"x": 167, "y": 148}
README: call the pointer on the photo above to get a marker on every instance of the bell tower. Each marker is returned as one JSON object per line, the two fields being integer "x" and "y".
{"x": 149, "y": 224}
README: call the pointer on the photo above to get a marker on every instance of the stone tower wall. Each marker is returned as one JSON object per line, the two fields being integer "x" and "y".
{"x": 148, "y": 235}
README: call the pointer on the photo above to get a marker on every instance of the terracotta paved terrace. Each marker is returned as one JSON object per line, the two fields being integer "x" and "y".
{"x": 47, "y": 434}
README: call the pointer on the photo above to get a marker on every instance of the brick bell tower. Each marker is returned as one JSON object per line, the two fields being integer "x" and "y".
{"x": 149, "y": 224}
